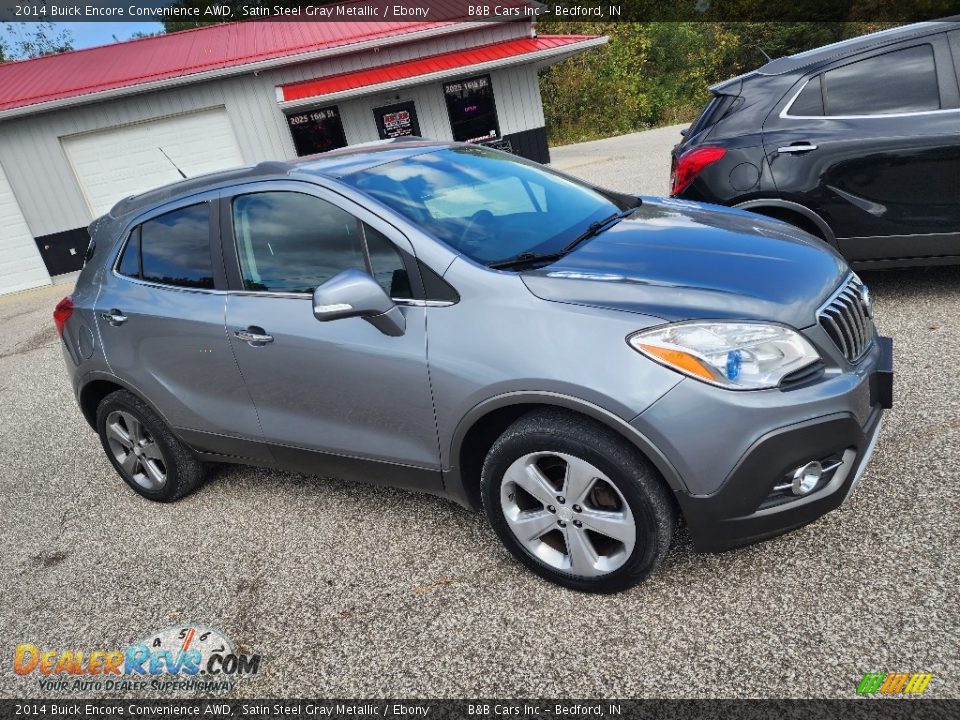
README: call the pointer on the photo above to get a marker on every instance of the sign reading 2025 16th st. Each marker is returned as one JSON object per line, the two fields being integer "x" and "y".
{"x": 178, "y": 658}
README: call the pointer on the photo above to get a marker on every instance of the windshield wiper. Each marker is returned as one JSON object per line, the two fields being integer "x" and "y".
{"x": 528, "y": 258}
{"x": 525, "y": 258}
{"x": 596, "y": 228}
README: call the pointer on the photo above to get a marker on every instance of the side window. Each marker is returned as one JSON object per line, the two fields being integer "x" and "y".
{"x": 810, "y": 100}
{"x": 130, "y": 261}
{"x": 896, "y": 82}
{"x": 175, "y": 248}
{"x": 387, "y": 265}
{"x": 291, "y": 242}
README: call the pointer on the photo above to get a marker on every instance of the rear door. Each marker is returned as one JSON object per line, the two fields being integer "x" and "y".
{"x": 160, "y": 315}
{"x": 872, "y": 143}
{"x": 336, "y": 396}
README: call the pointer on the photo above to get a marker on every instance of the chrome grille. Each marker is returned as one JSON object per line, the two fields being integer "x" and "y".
{"x": 846, "y": 319}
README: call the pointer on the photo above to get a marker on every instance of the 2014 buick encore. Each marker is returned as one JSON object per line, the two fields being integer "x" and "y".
{"x": 586, "y": 365}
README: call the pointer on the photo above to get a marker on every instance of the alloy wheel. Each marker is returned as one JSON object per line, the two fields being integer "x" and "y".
{"x": 567, "y": 513}
{"x": 135, "y": 450}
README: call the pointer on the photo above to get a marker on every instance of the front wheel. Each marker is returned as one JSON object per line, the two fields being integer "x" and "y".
{"x": 576, "y": 503}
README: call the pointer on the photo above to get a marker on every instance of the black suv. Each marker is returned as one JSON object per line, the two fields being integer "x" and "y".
{"x": 856, "y": 142}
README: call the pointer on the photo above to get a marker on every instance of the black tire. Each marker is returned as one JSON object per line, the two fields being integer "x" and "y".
{"x": 625, "y": 467}
{"x": 183, "y": 471}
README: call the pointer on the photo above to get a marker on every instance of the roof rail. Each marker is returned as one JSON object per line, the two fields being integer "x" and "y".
{"x": 272, "y": 167}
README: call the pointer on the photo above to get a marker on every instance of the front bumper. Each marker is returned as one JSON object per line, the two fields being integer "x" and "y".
{"x": 736, "y": 514}
{"x": 737, "y": 470}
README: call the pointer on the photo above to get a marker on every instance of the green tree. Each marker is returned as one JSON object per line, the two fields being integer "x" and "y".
{"x": 658, "y": 73}
{"x": 29, "y": 42}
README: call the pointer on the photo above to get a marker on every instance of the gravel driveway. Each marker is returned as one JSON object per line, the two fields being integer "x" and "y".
{"x": 348, "y": 590}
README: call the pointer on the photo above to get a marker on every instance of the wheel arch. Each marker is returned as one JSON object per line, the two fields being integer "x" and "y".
{"x": 97, "y": 386}
{"x": 486, "y": 421}
{"x": 784, "y": 209}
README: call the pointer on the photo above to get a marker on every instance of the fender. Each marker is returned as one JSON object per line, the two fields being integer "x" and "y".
{"x": 795, "y": 207}
{"x": 95, "y": 375}
{"x": 454, "y": 483}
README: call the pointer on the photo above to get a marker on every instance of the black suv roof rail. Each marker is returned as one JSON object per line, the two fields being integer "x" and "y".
{"x": 854, "y": 45}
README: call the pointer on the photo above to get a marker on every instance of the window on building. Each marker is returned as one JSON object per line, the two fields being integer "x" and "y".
{"x": 472, "y": 110}
{"x": 394, "y": 121}
{"x": 175, "y": 248}
{"x": 317, "y": 131}
{"x": 896, "y": 82}
{"x": 291, "y": 242}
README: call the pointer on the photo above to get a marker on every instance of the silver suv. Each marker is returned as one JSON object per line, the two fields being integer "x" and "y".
{"x": 586, "y": 365}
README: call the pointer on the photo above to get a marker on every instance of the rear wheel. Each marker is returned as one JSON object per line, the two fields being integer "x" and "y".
{"x": 144, "y": 451}
{"x": 576, "y": 503}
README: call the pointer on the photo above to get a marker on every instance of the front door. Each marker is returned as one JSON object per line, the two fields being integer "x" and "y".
{"x": 335, "y": 396}
{"x": 874, "y": 146}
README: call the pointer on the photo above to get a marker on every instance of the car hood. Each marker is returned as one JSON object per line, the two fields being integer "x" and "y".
{"x": 681, "y": 260}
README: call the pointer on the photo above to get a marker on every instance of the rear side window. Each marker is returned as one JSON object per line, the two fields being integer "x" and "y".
{"x": 130, "y": 262}
{"x": 713, "y": 113}
{"x": 175, "y": 248}
{"x": 896, "y": 82}
{"x": 810, "y": 100}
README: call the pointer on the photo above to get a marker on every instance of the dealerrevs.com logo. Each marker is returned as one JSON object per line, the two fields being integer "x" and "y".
{"x": 179, "y": 658}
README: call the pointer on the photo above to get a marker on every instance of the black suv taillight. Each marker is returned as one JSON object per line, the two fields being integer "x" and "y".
{"x": 686, "y": 167}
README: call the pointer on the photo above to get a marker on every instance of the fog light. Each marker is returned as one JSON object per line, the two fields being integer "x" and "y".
{"x": 805, "y": 478}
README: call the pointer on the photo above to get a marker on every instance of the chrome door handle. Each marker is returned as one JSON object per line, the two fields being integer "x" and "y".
{"x": 114, "y": 317}
{"x": 806, "y": 147}
{"x": 254, "y": 338}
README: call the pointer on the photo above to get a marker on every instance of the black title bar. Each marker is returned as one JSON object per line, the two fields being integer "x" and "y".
{"x": 481, "y": 11}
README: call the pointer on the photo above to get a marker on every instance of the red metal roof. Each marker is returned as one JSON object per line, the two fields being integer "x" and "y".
{"x": 425, "y": 66}
{"x": 217, "y": 47}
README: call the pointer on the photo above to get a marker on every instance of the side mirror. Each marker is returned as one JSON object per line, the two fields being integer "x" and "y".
{"x": 353, "y": 293}
{"x": 684, "y": 131}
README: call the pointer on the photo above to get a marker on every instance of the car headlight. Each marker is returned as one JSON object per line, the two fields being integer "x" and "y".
{"x": 734, "y": 355}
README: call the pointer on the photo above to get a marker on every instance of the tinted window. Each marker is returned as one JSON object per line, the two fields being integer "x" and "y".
{"x": 290, "y": 242}
{"x": 810, "y": 101}
{"x": 130, "y": 262}
{"x": 317, "y": 131}
{"x": 901, "y": 81}
{"x": 472, "y": 110}
{"x": 175, "y": 248}
{"x": 388, "y": 267}
{"x": 491, "y": 206}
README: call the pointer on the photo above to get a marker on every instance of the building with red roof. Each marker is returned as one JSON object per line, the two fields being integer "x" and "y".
{"x": 83, "y": 129}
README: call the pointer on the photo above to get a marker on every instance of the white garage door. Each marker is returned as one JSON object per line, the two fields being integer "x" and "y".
{"x": 112, "y": 164}
{"x": 21, "y": 266}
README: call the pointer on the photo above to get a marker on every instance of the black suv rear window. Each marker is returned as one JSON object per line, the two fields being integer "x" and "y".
{"x": 896, "y": 82}
{"x": 175, "y": 248}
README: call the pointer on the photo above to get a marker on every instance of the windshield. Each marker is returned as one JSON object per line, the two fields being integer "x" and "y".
{"x": 488, "y": 205}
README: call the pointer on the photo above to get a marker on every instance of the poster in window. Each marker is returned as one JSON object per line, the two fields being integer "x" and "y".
{"x": 316, "y": 131}
{"x": 472, "y": 109}
{"x": 394, "y": 121}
